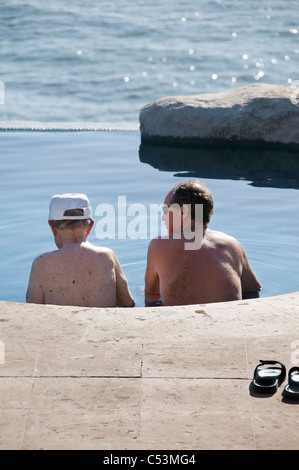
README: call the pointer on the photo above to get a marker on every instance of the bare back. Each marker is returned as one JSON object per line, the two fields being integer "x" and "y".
{"x": 79, "y": 274}
{"x": 217, "y": 272}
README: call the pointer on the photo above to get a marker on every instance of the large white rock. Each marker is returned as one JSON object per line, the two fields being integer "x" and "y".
{"x": 258, "y": 113}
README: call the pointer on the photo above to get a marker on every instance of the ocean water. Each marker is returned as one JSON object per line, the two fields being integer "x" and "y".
{"x": 101, "y": 60}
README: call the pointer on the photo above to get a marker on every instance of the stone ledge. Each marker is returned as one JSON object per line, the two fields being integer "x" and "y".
{"x": 145, "y": 378}
{"x": 47, "y": 126}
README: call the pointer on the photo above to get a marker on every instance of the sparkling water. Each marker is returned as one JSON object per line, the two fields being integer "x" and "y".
{"x": 101, "y": 60}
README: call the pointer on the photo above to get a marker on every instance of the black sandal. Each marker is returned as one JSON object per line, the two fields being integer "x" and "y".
{"x": 291, "y": 390}
{"x": 268, "y": 379}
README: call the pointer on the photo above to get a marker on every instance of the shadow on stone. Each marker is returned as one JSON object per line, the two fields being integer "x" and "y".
{"x": 262, "y": 167}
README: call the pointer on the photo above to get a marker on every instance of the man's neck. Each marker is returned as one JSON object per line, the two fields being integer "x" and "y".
{"x": 192, "y": 236}
{"x": 194, "y": 227}
{"x": 70, "y": 239}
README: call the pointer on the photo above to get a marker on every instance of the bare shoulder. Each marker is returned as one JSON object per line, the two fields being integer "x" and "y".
{"x": 102, "y": 250}
{"x": 107, "y": 255}
{"x": 41, "y": 262}
{"x": 221, "y": 237}
{"x": 45, "y": 257}
{"x": 224, "y": 241}
{"x": 155, "y": 242}
{"x": 158, "y": 243}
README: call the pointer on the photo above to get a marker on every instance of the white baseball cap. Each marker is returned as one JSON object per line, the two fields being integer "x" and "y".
{"x": 69, "y": 206}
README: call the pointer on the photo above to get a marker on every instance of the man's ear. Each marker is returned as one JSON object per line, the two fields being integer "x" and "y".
{"x": 90, "y": 227}
{"x": 53, "y": 228}
{"x": 185, "y": 210}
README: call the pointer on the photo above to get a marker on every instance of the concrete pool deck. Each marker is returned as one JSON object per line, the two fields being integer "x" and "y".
{"x": 160, "y": 378}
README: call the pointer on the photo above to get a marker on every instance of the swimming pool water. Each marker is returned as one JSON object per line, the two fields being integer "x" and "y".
{"x": 257, "y": 207}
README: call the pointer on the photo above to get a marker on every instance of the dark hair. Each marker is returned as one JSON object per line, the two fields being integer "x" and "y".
{"x": 76, "y": 223}
{"x": 194, "y": 192}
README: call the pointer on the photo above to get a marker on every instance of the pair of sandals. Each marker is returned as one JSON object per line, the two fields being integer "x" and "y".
{"x": 269, "y": 375}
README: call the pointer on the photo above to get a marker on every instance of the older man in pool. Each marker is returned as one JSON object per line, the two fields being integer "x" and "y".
{"x": 78, "y": 273}
{"x": 211, "y": 268}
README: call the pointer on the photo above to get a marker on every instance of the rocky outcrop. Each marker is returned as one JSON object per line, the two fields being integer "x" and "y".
{"x": 253, "y": 114}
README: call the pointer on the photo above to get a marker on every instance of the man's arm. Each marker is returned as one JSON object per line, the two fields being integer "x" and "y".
{"x": 35, "y": 293}
{"x": 152, "y": 282}
{"x": 251, "y": 287}
{"x": 123, "y": 294}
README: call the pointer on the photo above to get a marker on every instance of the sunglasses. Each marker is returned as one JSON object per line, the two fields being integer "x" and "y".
{"x": 165, "y": 208}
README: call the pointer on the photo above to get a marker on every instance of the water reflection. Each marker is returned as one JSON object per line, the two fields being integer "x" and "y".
{"x": 263, "y": 168}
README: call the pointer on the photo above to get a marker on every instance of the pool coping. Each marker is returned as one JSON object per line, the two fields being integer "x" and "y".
{"x": 67, "y": 126}
{"x": 146, "y": 378}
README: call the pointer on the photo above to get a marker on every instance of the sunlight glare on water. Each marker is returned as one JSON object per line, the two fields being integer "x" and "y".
{"x": 103, "y": 61}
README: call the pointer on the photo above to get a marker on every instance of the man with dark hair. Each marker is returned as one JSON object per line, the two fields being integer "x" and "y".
{"x": 78, "y": 273}
{"x": 211, "y": 268}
